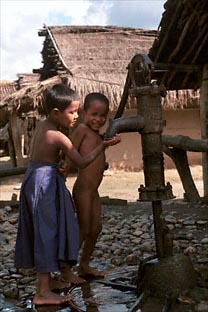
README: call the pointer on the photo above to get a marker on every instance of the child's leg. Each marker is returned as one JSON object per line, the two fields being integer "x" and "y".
{"x": 58, "y": 284}
{"x": 68, "y": 276}
{"x": 44, "y": 295}
{"x": 83, "y": 204}
{"x": 90, "y": 227}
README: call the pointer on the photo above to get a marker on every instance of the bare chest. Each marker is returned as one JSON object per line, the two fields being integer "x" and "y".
{"x": 90, "y": 142}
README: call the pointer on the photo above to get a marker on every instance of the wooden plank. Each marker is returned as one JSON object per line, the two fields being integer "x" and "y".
{"x": 12, "y": 171}
{"x": 204, "y": 123}
{"x": 11, "y": 203}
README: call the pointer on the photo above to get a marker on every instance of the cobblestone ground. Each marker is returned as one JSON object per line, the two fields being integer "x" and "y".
{"x": 127, "y": 238}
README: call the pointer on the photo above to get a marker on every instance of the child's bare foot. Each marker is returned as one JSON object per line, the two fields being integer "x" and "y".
{"x": 91, "y": 272}
{"x": 48, "y": 297}
{"x": 54, "y": 284}
{"x": 69, "y": 277}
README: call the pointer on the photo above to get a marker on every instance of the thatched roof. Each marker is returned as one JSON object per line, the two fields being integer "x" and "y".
{"x": 28, "y": 98}
{"x": 94, "y": 58}
{"x": 7, "y": 88}
{"x": 182, "y": 44}
{"x": 26, "y": 79}
{"x": 97, "y": 53}
{"x": 31, "y": 97}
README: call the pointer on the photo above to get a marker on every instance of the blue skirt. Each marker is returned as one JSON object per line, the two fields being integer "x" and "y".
{"x": 48, "y": 233}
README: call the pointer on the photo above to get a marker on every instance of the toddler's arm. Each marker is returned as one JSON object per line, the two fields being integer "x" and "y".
{"x": 83, "y": 161}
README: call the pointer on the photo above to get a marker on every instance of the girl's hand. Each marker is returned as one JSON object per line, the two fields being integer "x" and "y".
{"x": 113, "y": 141}
{"x": 62, "y": 168}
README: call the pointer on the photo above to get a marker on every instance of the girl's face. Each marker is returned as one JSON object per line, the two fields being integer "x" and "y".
{"x": 96, "y": 115}
{"x": 69, "y": 116}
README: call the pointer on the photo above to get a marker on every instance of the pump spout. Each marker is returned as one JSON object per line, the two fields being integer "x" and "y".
{"x": 128, "y": 124}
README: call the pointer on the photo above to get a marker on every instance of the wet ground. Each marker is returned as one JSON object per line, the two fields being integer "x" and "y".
{"x": 95, "y": 296}
{"x": 91, "y": 297}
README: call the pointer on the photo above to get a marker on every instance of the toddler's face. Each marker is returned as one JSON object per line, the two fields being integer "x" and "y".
{"x": 96, "y": 115}
{"x": 69, "y": 116}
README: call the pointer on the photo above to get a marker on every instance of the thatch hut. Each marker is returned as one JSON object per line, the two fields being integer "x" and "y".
{"x": 94, "y": 58}
{"x": 181, "y": 50}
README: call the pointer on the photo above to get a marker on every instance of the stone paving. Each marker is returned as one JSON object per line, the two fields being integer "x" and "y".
{"x": 127, "y": 238}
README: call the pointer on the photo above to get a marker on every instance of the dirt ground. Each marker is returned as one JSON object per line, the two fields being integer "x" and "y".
{"x": 115, "y": 184}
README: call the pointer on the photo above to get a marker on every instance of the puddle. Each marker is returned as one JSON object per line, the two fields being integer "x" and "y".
{"x": 90, "y": 297}
{"x": 116, "y": 293}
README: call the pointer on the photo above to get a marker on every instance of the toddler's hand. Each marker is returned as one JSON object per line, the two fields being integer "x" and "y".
{"x": 113, "y": 141}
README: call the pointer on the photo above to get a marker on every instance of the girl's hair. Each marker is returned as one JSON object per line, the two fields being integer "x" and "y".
{"x": 59, "y": 96}
{"x": 95, "y": 96}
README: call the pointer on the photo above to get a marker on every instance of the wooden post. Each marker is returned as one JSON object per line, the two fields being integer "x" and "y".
{"x": 15, "y": 137}
{"x": 180, "y": 159}
{"x": 204, "y": 123}
{"x": 11, "y": 147}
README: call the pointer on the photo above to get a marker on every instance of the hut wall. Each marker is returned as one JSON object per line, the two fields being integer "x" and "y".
{"x": 128, "y": 154}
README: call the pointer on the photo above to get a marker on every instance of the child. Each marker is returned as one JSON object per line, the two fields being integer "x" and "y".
{"x": 47, "y": 237}
{"x": 85, "y": 138}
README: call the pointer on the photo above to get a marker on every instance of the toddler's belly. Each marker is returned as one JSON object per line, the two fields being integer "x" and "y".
{"x": 84, "y": 182}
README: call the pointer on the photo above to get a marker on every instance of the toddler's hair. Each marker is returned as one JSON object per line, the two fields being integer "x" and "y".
{"x": 59, "y": 96}
{"x": 95, "y": 96}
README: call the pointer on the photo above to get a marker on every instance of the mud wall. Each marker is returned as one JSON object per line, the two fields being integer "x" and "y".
{"x": 128, "y": 154}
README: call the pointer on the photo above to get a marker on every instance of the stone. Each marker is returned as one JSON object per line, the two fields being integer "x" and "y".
{"x": 27, "y": 279}
{"x": 29, "y": 289}
{"x": 189, "y": 235}
{"x": 201, "y": 222}
{"x": 137, "y": 240}
{"x": 8, "y": 227}
{"x": 189, "y": 250}
{"x": 189, "y": 222}
{"x": 170, "y": 219}
{"x": 138, "y": 233}
{"x": 170, "y": 226}
{"x": 11, "y": 292}
{"x": 145, "y": 236}
{"x": 117, "y": 261}
{"x": 118, "y": 252}
{"x": 107, "y": 238}
{"x": 8, "y": 209}
{"x": 146, "y": 247}
{"x": 132, "y": 259}
{"x": 111, "y": 221}
{"x": 202, "y": 306}
{"x": 136, "y": 225}
{"x": 198, "y": 293}
{"x": 97, "y": 253}
{"x": 13, "y": 270}
{"x": 202, "y": 260}
{"x": 204, "y": 240}
{"x": 4, "y": 273}
{"x": 12, "y": 220}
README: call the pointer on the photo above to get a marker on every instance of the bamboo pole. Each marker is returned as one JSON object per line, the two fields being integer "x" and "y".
{"x": 204, "y": 123}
